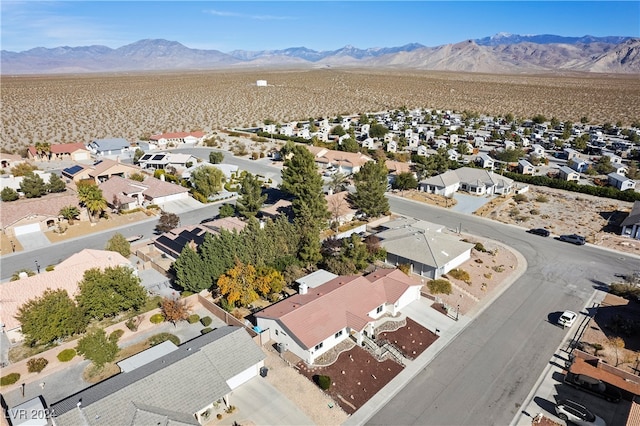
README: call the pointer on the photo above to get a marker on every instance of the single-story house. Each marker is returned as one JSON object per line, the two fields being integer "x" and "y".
{"x": 280, "y": 207}
{"x": 620, "y": 182}
{"x": 631, "y": 224}
{"x": 315, "y": 320}
{"x": 66, "y": 276}
{"x": 62, "y": 151}
{"x": 453, "y": 155}
{"x": 571, "y": 154}
{"x": 100, "y": 171}
{"x": 187, "y": 386}
{"x": 579, "y": 165}
{"x": 163, "y": 160}
{"x": 339, "y": 208}
{"x": 127, "y": 194}
{"x": 537, "y": 150}
{"x": 475, "y": 181}
{"x": 422, "y": 151}
{"x": 392, "y": 146}
{"x": 178, "y": 138}
{"x": 109, "y": 147}
{"x": 525, "y": 167}
{"x": 423, "y": 246}
{"x": 568, "y": 174}
{"x": 36, "y": 214}
{"x": 485, "y": 161}
{"x": 345, "y": 162}
{"x": 613, "y": 159}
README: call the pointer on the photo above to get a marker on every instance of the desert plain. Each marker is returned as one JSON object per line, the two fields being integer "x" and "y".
{"x": 83, "y": 107}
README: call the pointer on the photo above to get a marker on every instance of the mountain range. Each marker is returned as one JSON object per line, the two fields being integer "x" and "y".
{"x": 501, "y": 53}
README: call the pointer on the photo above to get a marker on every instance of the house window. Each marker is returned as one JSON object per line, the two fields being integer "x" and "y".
{"x": 338, "y": 334}
{"x": 379, "y": 309}
{"x": 319, "y": 345}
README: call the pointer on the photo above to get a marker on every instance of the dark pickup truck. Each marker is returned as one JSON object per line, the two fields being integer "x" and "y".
{"x": 594, "y": 386}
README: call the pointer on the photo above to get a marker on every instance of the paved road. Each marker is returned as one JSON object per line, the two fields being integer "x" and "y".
{"x": 489, "y": 369}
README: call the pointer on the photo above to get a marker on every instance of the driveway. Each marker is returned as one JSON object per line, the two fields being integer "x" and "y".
{"x": 181, "y": 206}
{"x": 468, "y": 204}
{"x": 33, "y": 240}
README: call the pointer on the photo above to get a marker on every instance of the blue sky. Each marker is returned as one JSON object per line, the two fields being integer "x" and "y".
{"x": 318, "y": 25}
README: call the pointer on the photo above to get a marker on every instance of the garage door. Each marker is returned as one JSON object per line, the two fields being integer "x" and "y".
{"x": 81, "y": 156}
{"x": 25, "y": 229}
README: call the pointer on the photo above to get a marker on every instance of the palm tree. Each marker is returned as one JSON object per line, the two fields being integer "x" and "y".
{"x": 96, "y": 204}
{"x": 69, "y": 213}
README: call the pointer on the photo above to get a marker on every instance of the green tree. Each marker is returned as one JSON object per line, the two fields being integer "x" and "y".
{"x": 404, "y": 181}
{"x": 91, "y": 196}
{"x": 22, "y": 169}
{"x": 106, "y": 293}
{"x": 137, "y": 155}
{"x": 216, "y": 157}
{"x": 191, "y": 271}
{"x": 337, "y": 182}
{"x": 287, "y": 149}
{"x": 9, "y": 194}
{"x": 138, "y": 177}
{"x": 338, "y": 130}
{"x": 70, "y": 213}
{"x": 50, "y": 317}
{"x": 538, "y": 119}
{"x": 56, "y": 184}
{"x": 371, "y": 185}
{"x": 508, "y": 155}
{"x": 33, "y": 186}
{"x": 207, "y": 180}
{"x": 603, "y": 165}
{"x": 377, "y": 130}
{"x": 250, "y": 198}
{"x": 580, "y": 143}
{"x": 119, "y": 244}
{"x": 349, "y": 145}
{"x": 167, "y": 221}
{"x": 227, "y": 210}
{"x": 309, "y": 233}
{"x": 97, "y": 348}
{"x": 301, "y": 179}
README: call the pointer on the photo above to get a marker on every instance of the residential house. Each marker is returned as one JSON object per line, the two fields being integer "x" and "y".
{"x": 537, "y": 150}
{"x": 177, "y": 139}
{"x": 14, "y": 182}
{"x": 509, "y": 145}
{"x": 65, "y": 276}
{"x": 100, "y": 171}
{"x": 525, "y": 167}
{"x": 454, "y": 139}
{"x": 621, "y": 182}
{"x": 163, "y": 160}
{"x": 571, "y": 154}
{"x": 171, "y": 243}
{"x": 475, "y": 181}
{"x": 280, "y": 207}
{"x": 339, "y": 208}
{"x": 127, "y": 194}
{"x": 440, "y": 143}
{"x": 485, "y": 161}
{"x": 579, "y": 165}
{"x": 369, "y": 143}
{"x": 631, "y": 224}
{"x": 36, "y": 214}
{"x": 364, "y": 129}
{"x": 592, "y": 366}
{"x": 109, "y": 147}
{"x": 568, "y": 174}
{"x": 614, "y": 160}
{"x": 314, "y": 321}
{"x": 397, "y": 167}
{"x": 620, "y": 169}
{"x": 422, "y": 151}
{"x": 453, "y": 155}
{"x": 188, "y": 386}
{"x": 345, "y": 162}
{"x": 478, "y": 142}
{"x": 9, "y": 161}
{"x": 422, "y": 245}
{"x": 63, "y": 151}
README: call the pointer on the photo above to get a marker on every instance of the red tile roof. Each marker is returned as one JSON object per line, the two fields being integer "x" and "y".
{"x": 47, "y": 206}
{"x": 176, "y": 135}
{"x": 160, "y": 188}
{"x": 61, "y": 148}
{"x": 342, "y": 302}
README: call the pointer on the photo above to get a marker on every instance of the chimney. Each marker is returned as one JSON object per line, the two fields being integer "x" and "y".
{"x": 304, "y": 288}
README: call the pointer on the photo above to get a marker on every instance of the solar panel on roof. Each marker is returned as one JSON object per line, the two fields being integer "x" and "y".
{"x": 146, "y": 157}
{"x": 158, "y": 157}
{"x": 72, "y": 170}
{"x": 97, "y": 162}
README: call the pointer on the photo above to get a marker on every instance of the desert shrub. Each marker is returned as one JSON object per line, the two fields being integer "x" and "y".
{"x": 597, "y": 347}
{"x": 520, "y": 198}
{"x": 163, "y": 337}
{"x": 206, "y": 330}
{"x": 219, "y": 416}
{"x": 542, "y": 199}
{"x": 116, "y": 335}
{"x": 534, "y": 212}
{"x": 230, "y": 409}
{"x": 487, "y": 275}
{"x": 36, "y": 365}
{"x": 66, "y": 355}
{"x": 156, "y": 318}
{"x": 628, "y": 291}
{"x": 499, "y": 268}
{"x": 405, "y": 267}
{"x": 132, "y": 324}
{"x": 460, "y": 274}
{"x": 439, "y": 286}
{"x": 194, "y": 318}
{"x": 479, "y": 261}
{"x": 9, "y": 379}
{"x": 324, "y": 382}
{"x": 49, "y": 268}
{"x": 480, "y": 247}
{"x": 206, "y": 321}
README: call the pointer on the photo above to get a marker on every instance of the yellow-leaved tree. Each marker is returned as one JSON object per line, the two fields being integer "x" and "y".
{"x": 243, "y": 284}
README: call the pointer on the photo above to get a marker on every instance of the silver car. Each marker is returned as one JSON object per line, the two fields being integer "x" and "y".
{"x": 573, "y": 412}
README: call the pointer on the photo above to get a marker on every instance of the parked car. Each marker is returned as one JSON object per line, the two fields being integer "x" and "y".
{"x": 568, "y": 410}
{"x": 594, "y": 386}
{"x": 567, "y": 319}
{"x": 573, "y": 239}
{"x": 539, "y": 231}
